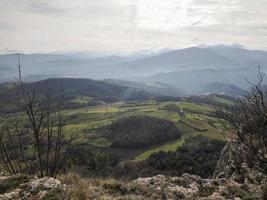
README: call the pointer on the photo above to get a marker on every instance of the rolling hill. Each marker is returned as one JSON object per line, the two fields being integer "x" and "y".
{"x": 157, "y": 88}
{"x": 78, "y": 92}
{"x": 222, "y": 89}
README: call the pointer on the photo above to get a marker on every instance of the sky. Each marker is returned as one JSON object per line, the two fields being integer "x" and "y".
{"x": 129, "y": 25}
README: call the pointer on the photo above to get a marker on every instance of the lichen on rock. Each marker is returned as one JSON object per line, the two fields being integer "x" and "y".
{"x": 23, "y": 187}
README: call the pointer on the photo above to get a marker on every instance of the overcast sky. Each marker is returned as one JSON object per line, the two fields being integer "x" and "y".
{"x": 130, "y": 25}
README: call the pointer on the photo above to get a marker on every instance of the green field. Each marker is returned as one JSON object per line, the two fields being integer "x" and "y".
{"x": 190, "y": 118}
{"x": 84, "y": 122}
{"x": 82, "y": 99}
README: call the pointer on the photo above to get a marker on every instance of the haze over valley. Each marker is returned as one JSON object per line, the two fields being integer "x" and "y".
{"x": 184, "y": 72}
{"x": 133, "y": 99}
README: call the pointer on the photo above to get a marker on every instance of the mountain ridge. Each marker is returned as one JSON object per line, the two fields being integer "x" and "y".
{"x": 116, "y": 66}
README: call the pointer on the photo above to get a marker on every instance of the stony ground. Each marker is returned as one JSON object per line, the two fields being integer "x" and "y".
{"x": 22, "y": 187}
{"x": 189, "y": 187}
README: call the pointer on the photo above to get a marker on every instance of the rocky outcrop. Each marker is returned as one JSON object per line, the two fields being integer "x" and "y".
{"x": 194, "y": 187}
{"x": 185, "y": 187}
{"x": 23, "y": 187}
{"x": 233, "y": 156}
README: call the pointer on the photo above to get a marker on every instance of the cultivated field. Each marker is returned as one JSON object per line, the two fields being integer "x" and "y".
{"x": 197, "y": 119}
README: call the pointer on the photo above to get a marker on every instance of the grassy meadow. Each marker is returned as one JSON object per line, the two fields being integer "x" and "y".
{"x": 197, "y": 119}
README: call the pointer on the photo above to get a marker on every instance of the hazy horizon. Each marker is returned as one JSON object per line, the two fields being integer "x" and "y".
{"x": 130, "y": 53}
{"x": 143, "y": 41}
{"x": 129, "y": 25}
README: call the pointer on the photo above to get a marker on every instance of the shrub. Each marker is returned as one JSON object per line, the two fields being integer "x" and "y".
{"x": 247, "y": 122}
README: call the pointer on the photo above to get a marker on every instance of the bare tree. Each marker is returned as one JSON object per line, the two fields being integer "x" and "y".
{"x": 247, "y": 121}
{"x": 44, "y": 121}
{"x": 5, "y": 153}
{"x": 12, "y": 143}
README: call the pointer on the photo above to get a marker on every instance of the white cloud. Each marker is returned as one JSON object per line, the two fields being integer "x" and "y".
{"x": 120, "y": 25}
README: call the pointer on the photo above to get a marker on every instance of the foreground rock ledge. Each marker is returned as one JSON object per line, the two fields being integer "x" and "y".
{"x": 23, "y": 187}
{"x": 253, "y": 186}
{"x": 188, "y": 187}
{"x": 194, "y": 187}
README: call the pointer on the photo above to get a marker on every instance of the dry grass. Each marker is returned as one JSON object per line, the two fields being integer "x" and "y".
{"x": 103, "y": 189}
{"x": 78, "y": 188}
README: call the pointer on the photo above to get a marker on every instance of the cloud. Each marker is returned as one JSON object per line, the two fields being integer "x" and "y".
{"x": 204, "y": 21}
{"x": 129, "y": 25}
{"x": 43, "y": 7}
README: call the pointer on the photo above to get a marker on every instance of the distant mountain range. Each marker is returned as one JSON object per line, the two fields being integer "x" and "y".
{"x": 183, "y": 71}
{"x": 217, "y": 57}
{"x": 195, "y": 80}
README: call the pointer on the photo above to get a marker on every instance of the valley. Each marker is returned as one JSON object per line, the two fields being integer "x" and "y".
{"x": 133, "y": 100}
{"x": 92, "y": 108}
{"x": 197, "y": 120}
